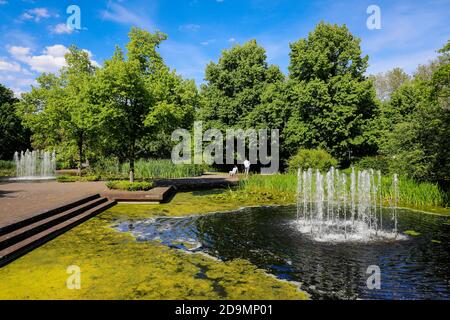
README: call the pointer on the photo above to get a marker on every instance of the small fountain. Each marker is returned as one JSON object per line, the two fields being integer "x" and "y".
{"x": 335, "y": 207}
{"x": 35, "y": 165}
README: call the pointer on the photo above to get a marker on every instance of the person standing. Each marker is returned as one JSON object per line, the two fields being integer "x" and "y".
{"x": 247, "y": 166}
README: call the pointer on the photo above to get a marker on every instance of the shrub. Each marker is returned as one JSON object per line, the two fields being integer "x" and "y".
{"x": 70, "y": 178}
{"x": 310, "y": 158}
{"x": 130, "y": 186}
{"x": 7, "y": 168}
{"x": 376, "y": 163}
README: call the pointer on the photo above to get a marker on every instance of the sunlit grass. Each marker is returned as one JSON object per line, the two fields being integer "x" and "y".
{"x": 284, "y": 186}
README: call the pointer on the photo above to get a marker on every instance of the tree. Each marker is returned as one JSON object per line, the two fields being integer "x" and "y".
{"x": 386, "y": 83}
{"x": 416, "y": 125}
{"x": 235, "y": 89}
{"x": 242, "y": 91}
{"x": 60, "y": 111}
{"x": 332, "y": 103}
{"x": 142, "y": 101}
{"x": 13, "y": 136}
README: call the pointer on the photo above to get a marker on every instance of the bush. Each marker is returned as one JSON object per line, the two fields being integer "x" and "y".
{"x": 69, "y": 178}
{"x": 376, "y": 163}
{"x": 129, "y": 186}
{"x": 310, "y": 158}
{"x": 7, "y": 168}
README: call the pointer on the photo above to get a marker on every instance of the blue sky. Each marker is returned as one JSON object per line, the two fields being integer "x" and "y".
{"x": 34, "y": 35}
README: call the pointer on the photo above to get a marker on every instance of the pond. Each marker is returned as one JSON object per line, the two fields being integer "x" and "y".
{"x": 412, "y": 267}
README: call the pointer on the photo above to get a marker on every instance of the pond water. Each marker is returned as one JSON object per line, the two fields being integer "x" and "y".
{"x": 412, "y": 267}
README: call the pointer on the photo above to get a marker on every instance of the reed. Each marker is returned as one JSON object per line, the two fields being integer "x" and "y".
{"x": 411, "y": 193}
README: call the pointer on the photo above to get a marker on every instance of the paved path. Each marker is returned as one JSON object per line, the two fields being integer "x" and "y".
{"x": 19, "y": 201}
{"x": 22, "y": 200}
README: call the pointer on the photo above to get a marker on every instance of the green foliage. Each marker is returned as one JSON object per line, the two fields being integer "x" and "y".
{"x": 332, "y": 103}
{"x": 7, "y": 168}
{"x": 147, "y": 169}
{"x": 242, "y": 91}
{"x": 413, "y": 193}
{"x": 13, "y": 136}
{"x": 130, "y": 186}
{"x": 388, "y": 82}
{"x": 416, "y": 127}
{"x": 412, "y": 233}
{"x": 310, "y": 158}
{"x": 61, "y": 111}
{"x": 141, "y": 99}
{"x": 375, "y": 162}
{"x": 72, "y": 178}
{"x": 284, "y": 187}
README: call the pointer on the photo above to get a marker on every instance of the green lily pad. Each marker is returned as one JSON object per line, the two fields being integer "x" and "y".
{"x": 412, "y": 233}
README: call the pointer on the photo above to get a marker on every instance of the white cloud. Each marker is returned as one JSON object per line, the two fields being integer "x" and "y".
{"x": 10, "y": 66}
{"x": 51, "y": 60}
{"x": 18, "y": 83}
{"x": 61, "y": 28}
{"x": 232, "y": 40}
{"x": 36, "y": 14}
{"x": 122, "y": 15}
{"x": 57, "y": 50}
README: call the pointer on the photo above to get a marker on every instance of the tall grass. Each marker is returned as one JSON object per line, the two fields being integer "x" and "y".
{"x": 148, "y": 169}
{"x": 7, "y": 168}
{"x": 411, "y": 193}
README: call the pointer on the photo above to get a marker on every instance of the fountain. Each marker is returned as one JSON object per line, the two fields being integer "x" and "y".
{"x": 35, "y": 165}
{"x": 335, "y": 207}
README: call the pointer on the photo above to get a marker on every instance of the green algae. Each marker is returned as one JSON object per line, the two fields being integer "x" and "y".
{"x": 115, "y": 266}
{"x": 412, "y": 233}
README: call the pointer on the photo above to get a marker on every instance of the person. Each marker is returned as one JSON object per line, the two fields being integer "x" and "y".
{"x": 234, "y": 171}
{"x": 247, "y": 166}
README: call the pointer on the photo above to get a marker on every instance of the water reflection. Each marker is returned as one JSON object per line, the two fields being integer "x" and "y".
{"x": 415, "y": 268}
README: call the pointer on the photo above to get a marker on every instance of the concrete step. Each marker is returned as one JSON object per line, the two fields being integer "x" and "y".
{"x": 155, "y": 195}
{"x": 18, "y": 249}
{"x": 47, "y": 213}
{"x": 20, "y": 234}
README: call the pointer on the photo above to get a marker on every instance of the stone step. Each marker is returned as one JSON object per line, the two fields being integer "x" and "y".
{"x": 46, "y": 214}
{"x": 156, "y": 195}
{"x": 18, "y": 249}
{"x": 20, "y": 234}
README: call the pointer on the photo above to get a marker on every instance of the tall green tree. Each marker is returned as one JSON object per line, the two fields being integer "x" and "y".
{"x": 236, "y": 89}
{"x": 13, "y": 136}
{"x": 416, "y": 124}
{"x": 142, "y": 101}
{"x": 332, "y": 103}
{"x": 60, "y": 111}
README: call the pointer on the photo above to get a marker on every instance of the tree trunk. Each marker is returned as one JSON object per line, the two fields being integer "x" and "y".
{"x": 132, "y": 163}
{"x": 80, "y": 153}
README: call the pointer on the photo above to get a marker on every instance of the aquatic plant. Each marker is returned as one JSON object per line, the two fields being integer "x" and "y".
{"x": 115, "y": 266}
